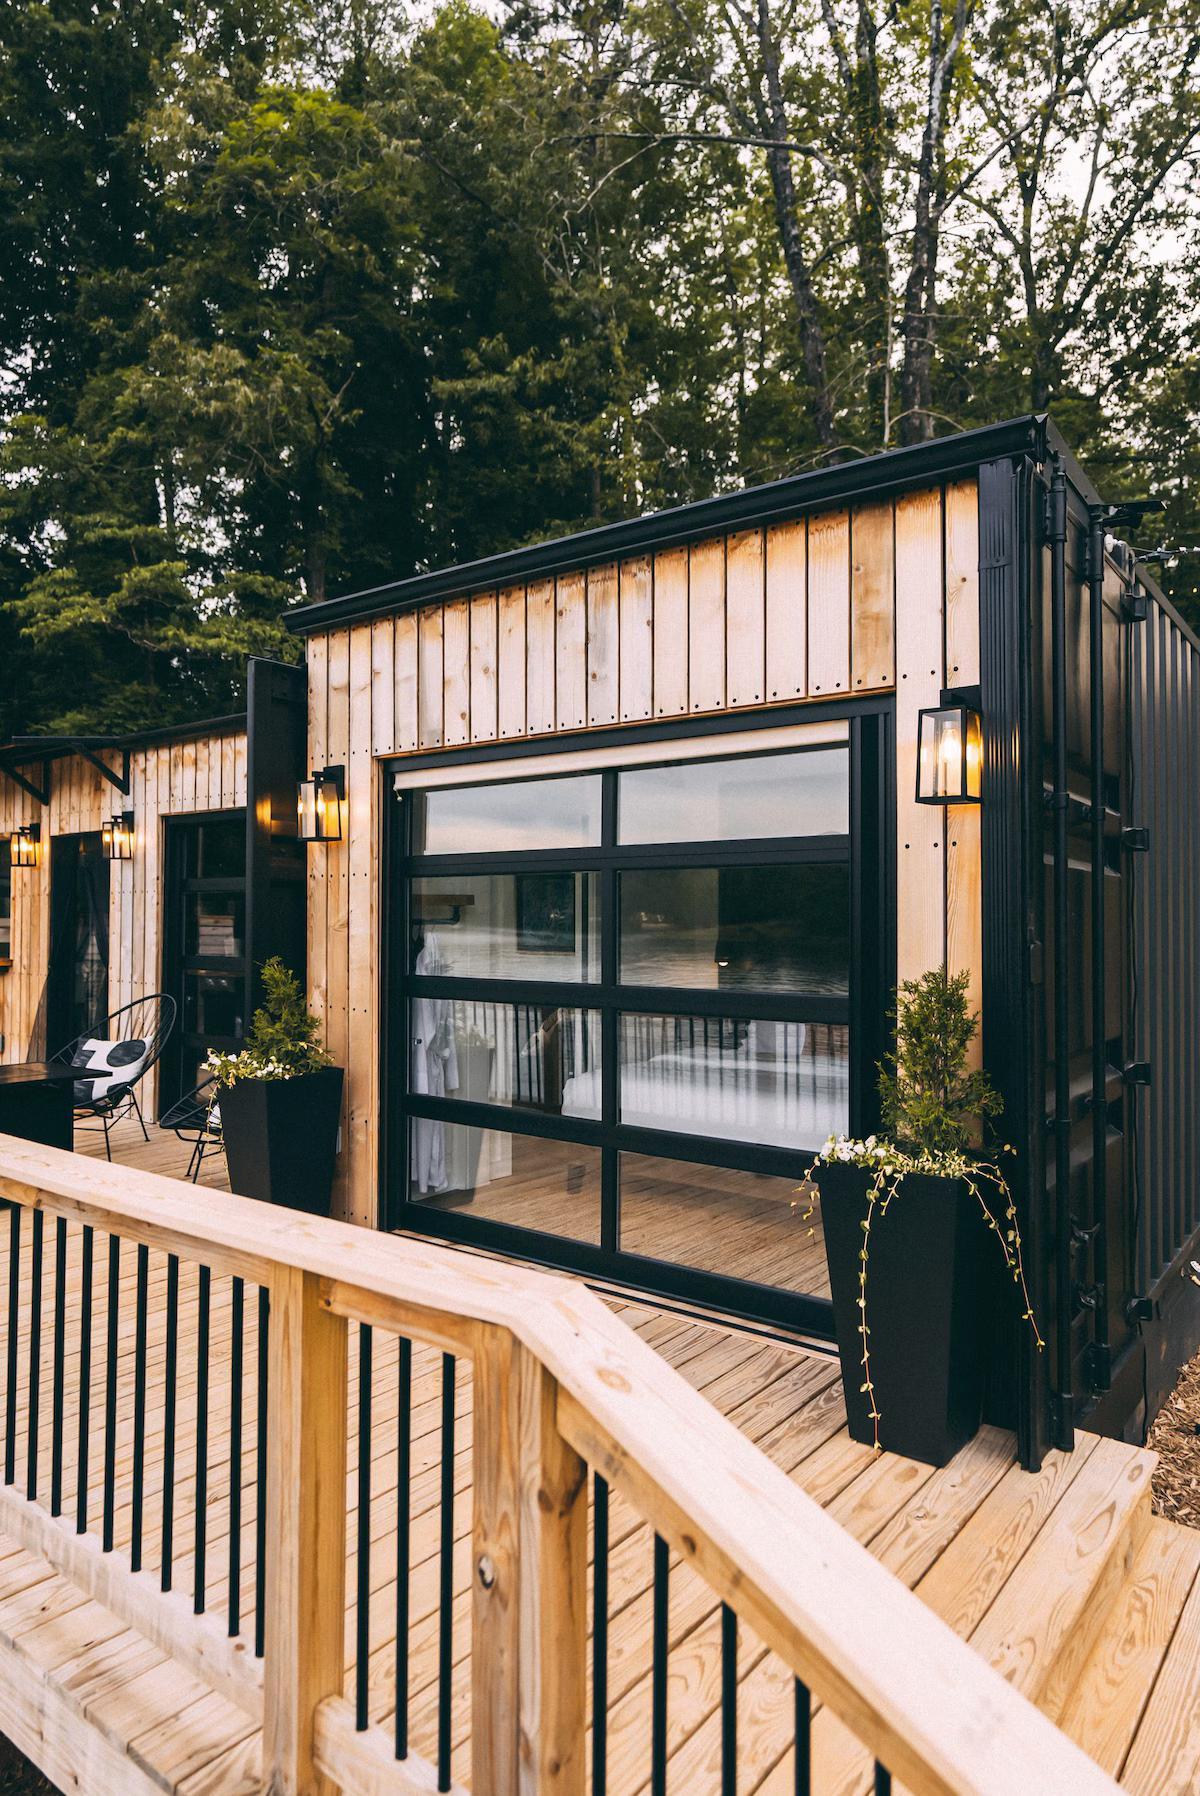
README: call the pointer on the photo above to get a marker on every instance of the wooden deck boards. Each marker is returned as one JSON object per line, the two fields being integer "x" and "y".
{"x": 996, "y": 1551}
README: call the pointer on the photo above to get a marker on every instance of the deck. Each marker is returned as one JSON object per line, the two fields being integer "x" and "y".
{"x": 1061, "y": 1579}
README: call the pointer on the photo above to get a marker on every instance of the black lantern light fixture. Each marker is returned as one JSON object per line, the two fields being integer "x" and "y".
{"x": 25, "y": 847}
{"x": 950, "y": 750}
{"x": 319, "y": 803}
{"x": 117, "y": 836}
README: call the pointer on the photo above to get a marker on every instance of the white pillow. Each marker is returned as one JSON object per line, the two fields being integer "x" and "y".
{"x": 109, "y": 1064}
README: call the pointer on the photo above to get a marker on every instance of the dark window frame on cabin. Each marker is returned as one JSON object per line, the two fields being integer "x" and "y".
{"x": 868, "y": 850}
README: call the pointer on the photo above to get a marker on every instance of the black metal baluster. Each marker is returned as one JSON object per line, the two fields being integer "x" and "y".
{"x": 883, "y": 1781}
{"x": 658, "y": 1671}
{"x": 446, "y": 1577}
{"x": 14, "y": 1332}
{"x": 362, "y": 1595}
{"x": 139, "y": 1407}
{"x": 403, "y": 1482}
{"x": 803, "y": 1782}
{"x": 85, "y": 1380}
{"x": 110, "y": 1392}
{"x": 260, "y": 1477}
{"x": 236, "y": 1355}
{"x": 600, "y": 1637}
{"x": 199, "y": 1554}
{"x": 60, "y": 1359}
{"x": 169, "y": 1379}
{"x": 729, "y": 1695}
{"x": 33, "y": 1404}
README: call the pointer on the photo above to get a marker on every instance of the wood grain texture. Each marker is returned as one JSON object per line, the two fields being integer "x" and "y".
{"x": 570, "y": 651}
{"x": 872, "y": 599}
{"x": 920, "y": 829}
{"x": 745, "y": 618}
{"x": 637, "y": 639}
{"x": 485, "y": 723}
{"x": 828, "y": 603}
{"x": 787, "y": 610}
{"x": 671, "y": 633}
{"x": 541, "y": 715}
{"x": 510, "y": 661}
{"x": 706, "y": 626}
{"x": 603, "y": 645}
{"x": 964, "y": 869}
{"x": 456, "y": 673}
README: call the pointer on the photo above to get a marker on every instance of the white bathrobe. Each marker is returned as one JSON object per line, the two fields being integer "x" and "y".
{"x": 434, "y": 1073}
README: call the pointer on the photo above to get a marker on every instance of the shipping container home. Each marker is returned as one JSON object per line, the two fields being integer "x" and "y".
{"x": 149, "y": 863}
{"x": 631, "y": 857}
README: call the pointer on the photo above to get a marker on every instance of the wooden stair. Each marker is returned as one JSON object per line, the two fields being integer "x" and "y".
{"x": 1135, "y": 1704}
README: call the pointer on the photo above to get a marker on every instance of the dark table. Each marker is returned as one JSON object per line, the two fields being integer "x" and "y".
{"x": 37, "y": 1102}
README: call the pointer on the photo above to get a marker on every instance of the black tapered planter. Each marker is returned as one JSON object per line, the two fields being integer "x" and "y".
{"x": 925, "y": 1309}
{"x": 281, "y": 1138}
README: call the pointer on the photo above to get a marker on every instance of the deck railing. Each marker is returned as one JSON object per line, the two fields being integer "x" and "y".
{"x": 299, "y": 1414}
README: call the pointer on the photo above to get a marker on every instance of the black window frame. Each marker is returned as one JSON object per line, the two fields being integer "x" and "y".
{"x": 6, "y": 917}
{"x": 181, "y": 832}
{"x": 867, "y": 848}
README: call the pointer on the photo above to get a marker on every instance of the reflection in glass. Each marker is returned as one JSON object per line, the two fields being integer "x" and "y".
{"x": 506, "y": 926}
{"x": 495, "y": 818}
{"x": 525, "y": 1056}
{"x": 212, "y": 1004}
{"x": 772, "y": 929}
{"x": 781, "y": 1084}
{"x": 521, "y": 1180}
{"x": 802, "y": 792}
{"x": 221, "y": 849}
{"x": 740, "y": 1224}
{"x": 215, "y": 926}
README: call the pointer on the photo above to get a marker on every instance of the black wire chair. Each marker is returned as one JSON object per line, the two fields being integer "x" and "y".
{"x": 120, "y": 1052}
{"x": 196, "y": 1120}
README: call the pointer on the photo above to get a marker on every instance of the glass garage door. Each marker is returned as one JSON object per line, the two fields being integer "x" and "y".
{"x": 621, "y": 1018}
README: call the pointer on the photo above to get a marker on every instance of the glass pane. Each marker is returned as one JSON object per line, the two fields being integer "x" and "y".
{"x": 222, "y": 850}
{"x": 506, "y": 926}
{"x": 212, "y": 1004}
{"x": 214, "y": 925}
{"x": 492, "y": 819}
{"x": 804, "y": 792}
{"x": 5, "y": 898}
{"x": 782, "y": 1084}
{"x": 553, "y": 1186}
{"x": 525, "y": 1056}
{"x": 773, "y": 929}
{"x": 743, "y": 1224}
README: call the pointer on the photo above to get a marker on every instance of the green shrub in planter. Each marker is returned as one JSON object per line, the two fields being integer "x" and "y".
{"x": 905, "y": 1217}
{"x": 280, "y": 1099}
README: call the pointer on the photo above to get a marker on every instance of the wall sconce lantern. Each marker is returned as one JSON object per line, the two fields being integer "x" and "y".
{"x": 319, "y": 803}
{"x": 950, "y": 750}
{"x": 117, "y": 836}
{"x": 25, "y": 845}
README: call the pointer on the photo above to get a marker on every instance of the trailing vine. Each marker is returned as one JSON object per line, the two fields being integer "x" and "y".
{"x": 932, "y": 1105}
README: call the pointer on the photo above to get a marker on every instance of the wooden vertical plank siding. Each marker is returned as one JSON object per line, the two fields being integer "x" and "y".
{"x": 636, "y": 639}
{"x": 510, "y": 660}
{"x": 706, "y": 626}
{"x": 362, "y": 862}
{"x": 603, "y": 640}
{"x": 456, "y": 674}
{"x": 786, "y": 611}
{"x": 540, "y": 711}
{"x": 335, "y": 857}
{"x": 828, "y": 604}
{"x": 873, "y": 600}
{"x": 570, "y": 652}
{"x": 745, "y": 618}
{"x": 964, "y": 873}
{"x": 484, "y": 715}
{"x": 920, "y": 828}
{"x": 164, "y": 780}
{"x": 670, "y": 671}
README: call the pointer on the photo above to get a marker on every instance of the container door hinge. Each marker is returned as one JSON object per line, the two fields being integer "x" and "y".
{"x": 1089, "y": 1297}
{"x": 1097, "y": 1367}
{"x": 1141, "y": 1309}
{"x": 1135, "y": 605}
{"x": 1135, "y": 841}
{"x": 1136, "y": 1072}
{"x": 1062, "y": 1419}
{"x": 1035, "y": 963}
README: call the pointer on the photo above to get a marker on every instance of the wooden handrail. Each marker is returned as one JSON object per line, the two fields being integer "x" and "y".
{"x": 561, "y": 1384}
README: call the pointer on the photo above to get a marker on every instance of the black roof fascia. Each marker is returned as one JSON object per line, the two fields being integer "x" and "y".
{"x": 894, "y": 469}
{"x": 53, "y": 748}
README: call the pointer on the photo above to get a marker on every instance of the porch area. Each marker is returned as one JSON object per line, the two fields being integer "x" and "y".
{"x": 145, "y": 1398}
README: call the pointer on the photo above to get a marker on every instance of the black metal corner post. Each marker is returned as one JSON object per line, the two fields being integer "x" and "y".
{"x": 1062, "y": 1405}
{"x": 276, "y": 756}
{"x": 1101, "y": 1352}
{"x": 1012, "y": 825}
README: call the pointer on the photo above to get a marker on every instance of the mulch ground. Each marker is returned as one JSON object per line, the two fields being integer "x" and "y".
{"x": 18, "y": 1777}
{"x": 1175, "y": 1437}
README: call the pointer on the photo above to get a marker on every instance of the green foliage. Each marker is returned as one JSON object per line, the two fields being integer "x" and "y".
{"x": 930, "y": 1098}
{"x": 284, "y": 1038}
{"x": 305, "y": 296}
